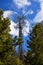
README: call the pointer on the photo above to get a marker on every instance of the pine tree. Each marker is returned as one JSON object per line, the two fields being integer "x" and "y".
{"x": 35, "y": 44}
{"x": 14, "y": 59}
{"x": 7, "y": 44}
{"x": 5, "y": 40}
{"x": 20, "y": 25}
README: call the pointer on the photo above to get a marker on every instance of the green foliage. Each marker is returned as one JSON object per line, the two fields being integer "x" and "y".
{"x": 35, "y": 54}
{"x": 17, "y": 61}
{"x": 20, "y": 41}
{"x": 1, "y": 12}
{"x": 5, "y": 39}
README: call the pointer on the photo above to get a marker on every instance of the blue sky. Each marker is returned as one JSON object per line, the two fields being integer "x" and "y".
{"x": 31, "y": 9}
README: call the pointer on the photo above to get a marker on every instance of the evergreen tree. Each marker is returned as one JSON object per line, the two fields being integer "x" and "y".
{"x": 8, "y": 54}
{"x": 5, "y": 40}
{"x": 20, "y": 25}
{"x": 35, "y": 44}
{"x": 14, "y": 59}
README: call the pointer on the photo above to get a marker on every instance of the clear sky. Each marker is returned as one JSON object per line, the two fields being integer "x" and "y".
{"x": 31, "y": 9}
